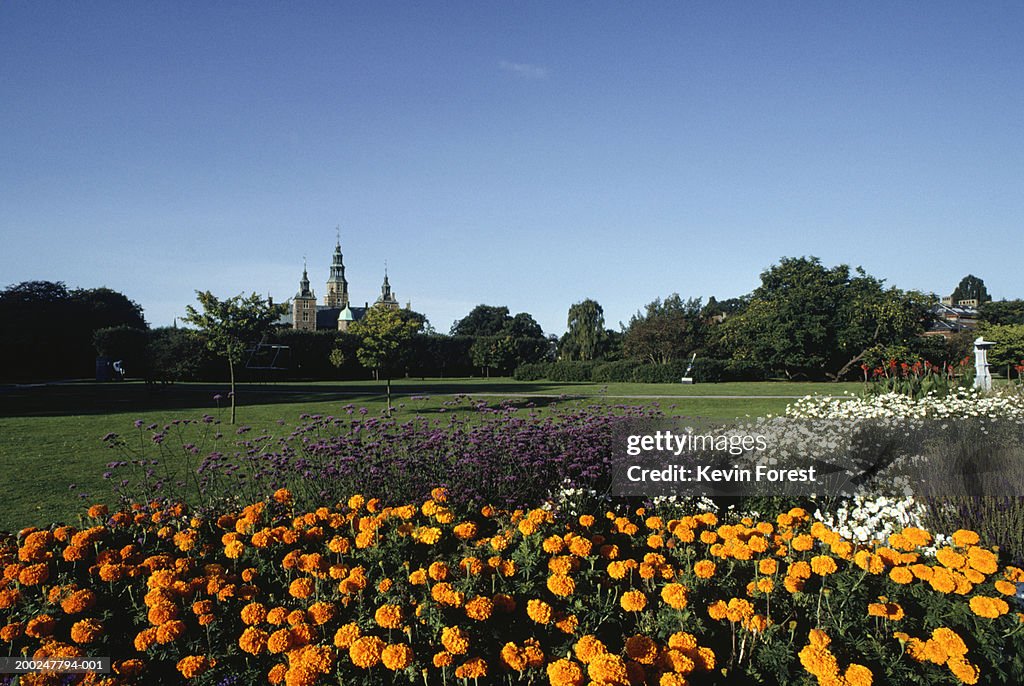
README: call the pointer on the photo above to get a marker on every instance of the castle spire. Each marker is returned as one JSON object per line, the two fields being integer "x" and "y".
{"x": 337, "y": 286}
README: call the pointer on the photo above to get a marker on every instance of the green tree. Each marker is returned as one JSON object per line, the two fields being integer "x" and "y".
{"x": 665, "y": 331}
{"x": 971, "y": 288}
{"x": 808, "y": 320}
{"x": 584, "y": 336}
{"x": 229, "y": 327}
{"x": 1008, "y": 351}
{"x": 385, "y": 337}
{"x": 174, "y": 354}
{"x": 1001, "y": 312}
{"x": 483, "y": 320}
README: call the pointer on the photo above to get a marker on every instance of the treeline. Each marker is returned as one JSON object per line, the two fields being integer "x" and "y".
{"x": 805, "y": 321}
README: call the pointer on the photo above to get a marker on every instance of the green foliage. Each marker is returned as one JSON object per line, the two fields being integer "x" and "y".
{"x": 175, "y": 355}
{"x": 229, "y": 327}
{"x": 971, "y": 288}
{"x": 613, "y": 372}
{"x": 483, "y": 320}
{"x": 1008, "y": 351}
{"x": 807, "y": 320}
{"x": 571, "y": 371}
{"x": 532, "y": 371}
{"x": 584, "y": 338}
{"x": 385, "y": 336}
{"x": 1001, "y": 312}
{"x": 48, "y": 329}
{"x": 665, "y": 331}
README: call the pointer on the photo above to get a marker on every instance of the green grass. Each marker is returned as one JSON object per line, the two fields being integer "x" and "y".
{"x": 50, "y": 435}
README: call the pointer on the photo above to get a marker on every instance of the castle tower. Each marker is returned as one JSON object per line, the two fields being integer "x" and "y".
{"x": 337, "y": 286}
{"x": 304, "y": 305}
{"x": 387, "y": 299}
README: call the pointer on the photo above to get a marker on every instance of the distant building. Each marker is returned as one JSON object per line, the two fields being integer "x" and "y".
{"x": 336, "y": 312}
{"x": 948, "y": 320}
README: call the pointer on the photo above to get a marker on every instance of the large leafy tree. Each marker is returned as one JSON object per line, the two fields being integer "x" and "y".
{"x": 385, "y": 341}
{"x": 1000, "y": 312}
{"x": 585, "y": 334}
{"x": 971, "y": 288}
{"x": 483, "y": 320}
{"x": 665, "y": 331}
{"x": 501, "y": 341}
{"x": 811, "y": 321}
{"x": 48, "y": 330}
{"x": 232, "y": 326}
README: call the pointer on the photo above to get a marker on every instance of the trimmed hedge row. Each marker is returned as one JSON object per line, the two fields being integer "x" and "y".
{"x": 635, "y": 371}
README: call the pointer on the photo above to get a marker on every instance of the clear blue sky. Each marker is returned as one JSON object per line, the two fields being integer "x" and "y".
{"x": 528, "y": 154}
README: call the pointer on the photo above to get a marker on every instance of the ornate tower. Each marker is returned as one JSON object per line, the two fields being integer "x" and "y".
{"x": 387, "y": 299}
{"x": 337, "y": 286}
{"x": 304, "y": 305}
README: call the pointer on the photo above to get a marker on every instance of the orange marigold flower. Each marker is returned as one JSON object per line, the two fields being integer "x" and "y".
{"x": 950, "y": 558}
{"x": 162, "y": 612}
{"x": 963, "y": 670}
{"x": 891, "y": 611}
{"x": 633, "y": 601}
{"x": 479, "y": 608}
{"x": 642, "y": 649}
{"x": 33, "y": 575}
{"x": 1005, "y": 587}
{"x": 704, "y": 569}
{"x": 321, "y": 613}
{"x": 561, "y": 585}
{"x": 823, "y": 565}
{"x": 455, "y": 640}
{"x": 538, "y": 611}
{"x": 588, "y": 647}
{"x": 718, "y": 610}
{"x": 965, "y": 537}
{"x": 396, "y": 657}
{"x": 941, "y": 580}
{"x": 802, "y": 543}
{"x": 347, "y": 635}
{"x": 86, "y": 630}
{"x": 858, "y": 675}
{"x": 279, "y": 641}
{"x": 674, "y": 595}
{"x": 438, "y": 571}
{"x": 991, "y": 608}
{"x": 901, "y": 575}
{"x": 145, "y": 639}
{"x": 193, "y": 665}
{"x": 981, "y": 560}
{"x": 301, "y": 588}
{"x": 366, "y": 651}
{"x": 443, "y": 659}
{"x": 171, "y": 631}
{"x": 607, "y": 668}
{"x": 253, "y": 640}
{"x": 472, "y": 669}
{"x": 79, "y": 601}
{"x": 253, "y": 613}
{"x": 388, "y": 616}
{"x": 565, "y": 672}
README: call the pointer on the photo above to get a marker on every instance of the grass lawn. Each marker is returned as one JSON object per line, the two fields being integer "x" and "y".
{"x": 50, "y": 434}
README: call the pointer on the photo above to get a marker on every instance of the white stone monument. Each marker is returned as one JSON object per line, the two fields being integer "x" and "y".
{"x": 982, "y": 377}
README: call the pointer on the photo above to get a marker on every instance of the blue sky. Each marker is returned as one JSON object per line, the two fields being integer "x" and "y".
{"x": 528, "y": 154}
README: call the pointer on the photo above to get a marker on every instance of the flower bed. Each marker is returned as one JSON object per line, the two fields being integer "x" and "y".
{"x": 426, "y": 592}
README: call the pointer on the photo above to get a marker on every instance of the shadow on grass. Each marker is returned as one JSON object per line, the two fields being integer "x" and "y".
{"x": 92, "y": 398}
